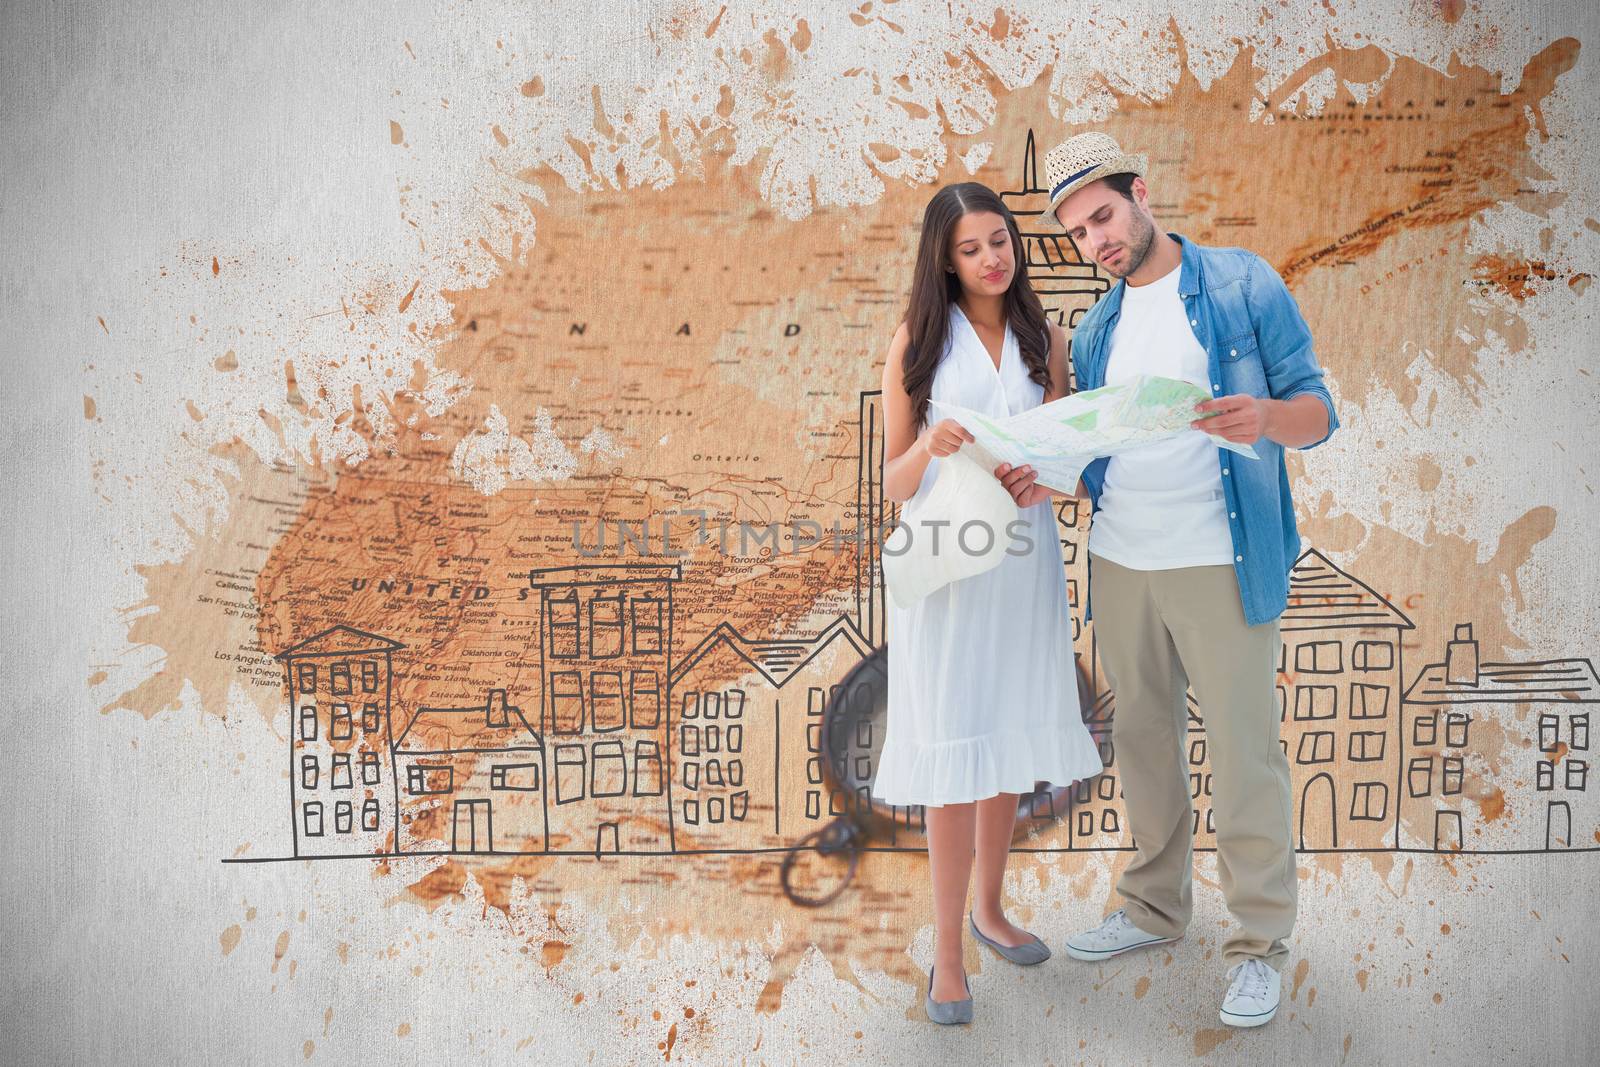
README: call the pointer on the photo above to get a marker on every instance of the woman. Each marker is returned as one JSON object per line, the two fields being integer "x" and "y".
{"x": 983, "y": 698}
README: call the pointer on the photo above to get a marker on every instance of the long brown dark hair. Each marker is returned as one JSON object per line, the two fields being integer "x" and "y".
{"x": 933, "y": 289}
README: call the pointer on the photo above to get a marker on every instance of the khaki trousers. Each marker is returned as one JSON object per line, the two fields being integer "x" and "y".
{"x": 1159, "y": 632}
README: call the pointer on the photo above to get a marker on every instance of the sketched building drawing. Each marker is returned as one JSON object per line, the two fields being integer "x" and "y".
{"x": 1339, "y": 685}
{"x": 605, "y": 635}
{"x": 1067, "y": 283}
{"x": 341, "y": 781}
{"x": 1537, "y": 793}
{"x": 748, "y": 759}
{"x": 471, "y": 780}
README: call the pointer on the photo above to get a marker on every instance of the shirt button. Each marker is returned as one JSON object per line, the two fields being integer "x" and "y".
{"x": 1194, "y": 322}
{"x": 1224, "y": 470}
{"x": 1217, "y": 386}
{"x": 1233, "y": 514}
{"x": 1238, "y": 559}
{"x": 1233, "y": 351}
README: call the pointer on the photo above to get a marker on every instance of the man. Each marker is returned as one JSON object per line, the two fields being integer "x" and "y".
{"x": 1189, "y": 556}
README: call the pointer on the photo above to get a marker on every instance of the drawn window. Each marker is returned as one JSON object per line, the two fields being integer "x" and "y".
{"x": 1455, "y": 730}
{"x": 647, "y": 613}
{"x": 814, "y": 770}
{"x": 369, "y": 814}
{"x": 1194, "y": 782}
{"x": 564, "y": 625}
{"x": 1107, "y": 786}
{"x": 339, "y": 776}
{"x": 308, "y": 772}
{"x": 733, "y": 738}
{"x": 739, "y": 805}
{"x": 1108, "y": 754}
{"x": 691, "y": 705}
{"x": 691, "y": 812}
{"x": 645, "y": 702}
{"x": 608, "y": 774}
{"x": 1370, "y": 800}
{"x": 1367, "y": 745}
{"x": 342, "y": 814}
{"x": 1211, "y": 820}
{"x": 1450, "y": 775}
{"x": 425, "y": 779}
{"x": 1315, "y": 702}
{"x": 1197, "y": 752}
{"x": 647, "y": 776}
{"x": 1316, "y": 746}
{"x": 1368, "y": 701}
{"x": 369, "y": 718}
{"x": 1580, "y": 732}
{"x": 341, "y": 728}
{"x": 605, "y": 626}
{"x": 1085, "y": 823}
{"x": 1283, "y": 702}
{"x": 691, "y": 774}
{"x": 515, "y": 777}
{"x": 712, "y": 738}
{"x": 1549, "y": 732}
{"x": 606, "y": 700}
{"x": 711, "y": 706}
{"x": 1547, "y": 775}
{"x": 1419, "y": 776}
{"x": 308, "y": 723}
{"x": 1426, "y": 730}
{"x": 689, "y": 740}
{"x": 308, "y": 677}
{"x": 369, "y": 676}
{"x": 1109, "y": 821}
{"x": 1084, "y": 791}
{"x": 312, "y": 810}
{"x": 1319, "y": 657}
{"x": 714, "y": 809}
{"x": 1577, "y": 774}
{"x": 714, "y": 772}
{"x": 566, "y": 701}
{"x": 571, "y": 763}
{"x": 1372, "y": 656}
{"x": 733, "y": 705}
{"x": 736, "y": 770}
{"x": 369, "y": 768}
{"x": 339, "y": 678}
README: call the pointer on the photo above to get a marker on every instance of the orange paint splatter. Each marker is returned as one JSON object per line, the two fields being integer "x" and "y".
{"x": 88, "y": 406}
{"x": 672, "y": 1039}
{"x": 216, "y": 268}
{"x": 1141, "y": 987}
{"x": 533, "y": 87}
{"x": 1301, "y": 969}
{"x": 1206, "y": 1041}
{"x": 403, "y": 1029}
{"x": 405, "y": 301}
{"x": 230, "y": 938}
{"x": 396, "y": 135}
{"x": 1361, "y": 980}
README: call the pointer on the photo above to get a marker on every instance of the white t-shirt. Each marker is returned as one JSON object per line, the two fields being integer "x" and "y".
{"x": 1162, "y": 505}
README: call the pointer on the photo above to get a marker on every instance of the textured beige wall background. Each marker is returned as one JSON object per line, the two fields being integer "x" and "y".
{"x": 282, "y": 284}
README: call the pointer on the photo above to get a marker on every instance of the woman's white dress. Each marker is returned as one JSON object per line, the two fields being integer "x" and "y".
{"x": 983, "y": 692}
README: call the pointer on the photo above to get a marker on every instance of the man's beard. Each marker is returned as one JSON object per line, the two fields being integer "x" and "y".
{"x": 1134, "y": 254}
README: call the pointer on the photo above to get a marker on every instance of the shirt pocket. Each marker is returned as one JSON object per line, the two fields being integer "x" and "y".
{"x": 1235, "y": 333}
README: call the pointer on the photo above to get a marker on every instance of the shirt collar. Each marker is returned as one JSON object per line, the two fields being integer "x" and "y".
{"x": 1188, "y": 277}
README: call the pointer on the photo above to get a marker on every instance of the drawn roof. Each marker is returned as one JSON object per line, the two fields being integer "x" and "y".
{"x": 777, "y": 660}
{"x": 1321, "y": 596}
{"x": 465, "y": 730}
{"x": 340, "y": 641}
{"x": 603, "y": 574}
{"x": 1567, "y": 680}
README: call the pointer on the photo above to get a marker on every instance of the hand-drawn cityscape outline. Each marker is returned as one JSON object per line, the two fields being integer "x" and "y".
{"x": 632, "y": 750}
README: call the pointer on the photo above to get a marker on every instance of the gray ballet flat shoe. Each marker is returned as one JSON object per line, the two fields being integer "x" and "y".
{"x": 948, "y": 1012}
{"x": 1024, "y": 955}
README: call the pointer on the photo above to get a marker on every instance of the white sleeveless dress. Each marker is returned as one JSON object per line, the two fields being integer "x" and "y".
{"x": 983, "y": 692}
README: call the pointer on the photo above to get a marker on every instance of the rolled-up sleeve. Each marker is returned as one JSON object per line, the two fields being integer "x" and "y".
{"x": 1284, "y": 340}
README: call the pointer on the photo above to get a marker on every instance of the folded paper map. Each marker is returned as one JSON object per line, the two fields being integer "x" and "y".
{"x": 1057, "y": 440}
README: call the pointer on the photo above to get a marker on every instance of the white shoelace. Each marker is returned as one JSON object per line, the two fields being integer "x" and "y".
{"x": 1250, "y": 981}
{"x": 1115, "y": 923}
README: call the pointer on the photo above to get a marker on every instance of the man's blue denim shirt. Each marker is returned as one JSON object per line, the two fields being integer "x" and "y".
{"x": 1257, "y": 343}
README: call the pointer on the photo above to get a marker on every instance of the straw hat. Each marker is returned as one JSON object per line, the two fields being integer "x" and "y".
{"x": 1086, "y": 158}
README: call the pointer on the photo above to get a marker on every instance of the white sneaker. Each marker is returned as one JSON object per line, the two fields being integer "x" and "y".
{"x": 1252, "y": 999}
{"x": 1111, "y": 938}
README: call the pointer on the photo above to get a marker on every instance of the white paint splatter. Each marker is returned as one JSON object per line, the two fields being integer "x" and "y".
{"x": 493, "y": 457}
